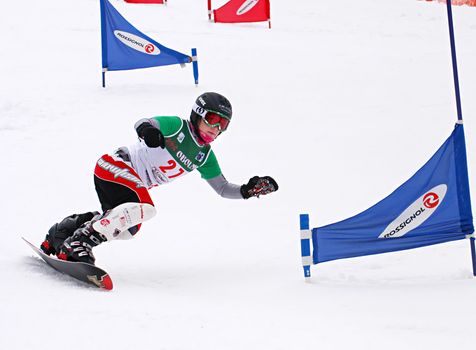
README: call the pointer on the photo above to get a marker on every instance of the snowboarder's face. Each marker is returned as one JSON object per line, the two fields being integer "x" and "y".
{"x": 208, "y": 133}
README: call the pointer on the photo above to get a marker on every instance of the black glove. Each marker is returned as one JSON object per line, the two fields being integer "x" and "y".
{"x": 151, "y": 135}
{"x": 258, "y": 186}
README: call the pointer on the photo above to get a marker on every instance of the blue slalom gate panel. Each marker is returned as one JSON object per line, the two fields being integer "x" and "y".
{"x": 124, "y": 47}
{"x": 431, "y": 207}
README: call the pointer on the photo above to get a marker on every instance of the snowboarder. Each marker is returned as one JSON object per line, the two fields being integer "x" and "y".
{"x": 168, "y": 148}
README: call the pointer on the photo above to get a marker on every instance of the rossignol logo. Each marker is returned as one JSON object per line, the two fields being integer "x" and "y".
{"x": 246, "y": 6}
{"x": 417, "y": 213}
{"x": 120, "y": 172}
{"x": 137, "y": 43}
{"x": 431, "y": 200}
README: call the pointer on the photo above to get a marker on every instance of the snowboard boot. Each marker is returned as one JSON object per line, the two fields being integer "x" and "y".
{"x": 62, "y": 230}
{"x": 79, "y": 247}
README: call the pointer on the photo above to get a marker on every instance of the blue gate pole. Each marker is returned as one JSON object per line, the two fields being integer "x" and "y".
{"x": 104, "y": 77}
{"x": 103, "y": 41}
{"x": 453, "y": 58}
{"x": 305, "y": 245}
{"x": 473, "y": 253}
{"x": 195, "y": 65}
{"x": 458, "y": 102}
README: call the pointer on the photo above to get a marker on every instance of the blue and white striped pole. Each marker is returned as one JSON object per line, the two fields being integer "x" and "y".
{"x": 306, "y": 245}
{"x": 195, "y": 65}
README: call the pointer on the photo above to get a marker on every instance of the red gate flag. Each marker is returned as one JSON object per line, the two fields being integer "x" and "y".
{"x": 460, "y": 2}
{"x": 239, "y": 11}
{"x": 147, "y": 1}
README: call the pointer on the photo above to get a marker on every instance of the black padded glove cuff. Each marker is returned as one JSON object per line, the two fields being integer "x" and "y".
{"x": 151, "y": 135}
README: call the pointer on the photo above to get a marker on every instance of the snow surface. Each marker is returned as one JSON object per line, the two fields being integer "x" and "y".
{"x": 341, "y": 101}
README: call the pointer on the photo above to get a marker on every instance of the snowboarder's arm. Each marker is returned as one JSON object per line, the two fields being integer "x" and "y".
{"x": 225, "y": 188}
{"x": 256, "y": 186}
{"x": 211, "y": 172}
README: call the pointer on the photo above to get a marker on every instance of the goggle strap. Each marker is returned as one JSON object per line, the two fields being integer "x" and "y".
{"x": 199, "y": 110}
{"x": 203, "y": 112}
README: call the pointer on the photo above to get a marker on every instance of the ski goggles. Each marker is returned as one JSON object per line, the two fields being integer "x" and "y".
{"x": 216, "y": 121}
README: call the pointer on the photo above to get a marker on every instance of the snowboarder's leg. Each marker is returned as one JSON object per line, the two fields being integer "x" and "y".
{"x": 122, "y": 218}
{"x": 111, "y": 225}
{"x": 79, "y": 246}
{"x": 126, "y": 204}
{"x": 62, "y": 230}
{"x": 116, "y": 183}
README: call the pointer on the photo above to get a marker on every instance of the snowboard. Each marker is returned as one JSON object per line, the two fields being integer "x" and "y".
{"x": 82, "y": 271}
